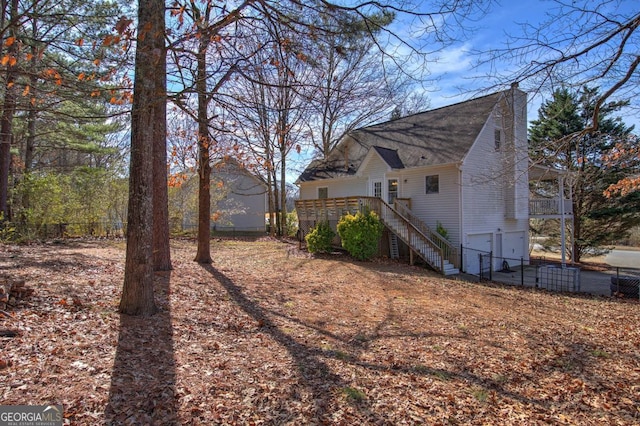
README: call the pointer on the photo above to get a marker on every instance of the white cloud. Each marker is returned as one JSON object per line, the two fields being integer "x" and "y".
{"x": 453, "y": 60}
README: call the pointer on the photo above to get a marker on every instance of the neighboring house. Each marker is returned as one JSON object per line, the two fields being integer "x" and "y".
{"x": 243, "y": 204}
{"x": 462, "y": 169}
{"x": 238, "y": 200}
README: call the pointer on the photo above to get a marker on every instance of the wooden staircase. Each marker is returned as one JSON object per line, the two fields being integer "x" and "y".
{"x": 394, "y": 250}
{"x": 430, "y": 246}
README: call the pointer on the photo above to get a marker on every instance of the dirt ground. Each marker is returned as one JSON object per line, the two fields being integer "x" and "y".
{"x": 271, "y": 335}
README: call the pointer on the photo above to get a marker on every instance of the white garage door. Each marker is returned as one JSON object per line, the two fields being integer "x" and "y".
{"x": 477, "y": 244}
{"x": 513, "y": 246}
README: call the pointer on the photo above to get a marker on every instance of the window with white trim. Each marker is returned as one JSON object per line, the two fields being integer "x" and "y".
{"x": 497, "y": 139}
{"x": 392, "y": 191}
{"x": 432, "y": 184}
{"x": 377, "y": 189}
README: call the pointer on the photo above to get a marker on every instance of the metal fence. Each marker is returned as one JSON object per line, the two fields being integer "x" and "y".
{"x": 625, "y": 283}
{"x": 107, "y": 229}
{"x": 45, "y": 231}
{"x": 228, "y": 231}
{"x": 550, "y": 274}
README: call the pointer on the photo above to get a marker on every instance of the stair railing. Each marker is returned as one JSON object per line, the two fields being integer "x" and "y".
{"x": 412, "y": 236}
{"x": 449, "y": 252}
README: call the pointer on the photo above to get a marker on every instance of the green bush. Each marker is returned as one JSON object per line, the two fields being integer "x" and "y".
{"x": 319, "y": 239}
{"x": 440, "y": 229}
{"x": 7, "y": 230}
{"x": 292, "y": 223}
{"x": 360, "y": 234}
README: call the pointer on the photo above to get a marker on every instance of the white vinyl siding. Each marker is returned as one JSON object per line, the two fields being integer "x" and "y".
{"x": 488, "y": 187}
{"x": 336, "y": 188}
{"x": 375, "y": 169}
{"x": 442, "y": 207}
{"x": 244, "y": 206}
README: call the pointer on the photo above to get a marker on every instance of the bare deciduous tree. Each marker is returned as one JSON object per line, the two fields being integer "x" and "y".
{"x": 581, "y": 43}
{"x": 592, "y": 43}
{"x": 291, "y": 17}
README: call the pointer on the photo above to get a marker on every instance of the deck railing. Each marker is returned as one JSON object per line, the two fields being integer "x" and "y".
{"x": 311, "y": 212}
{"x": 549, "y": 207}
{"x": 332, "y": 209}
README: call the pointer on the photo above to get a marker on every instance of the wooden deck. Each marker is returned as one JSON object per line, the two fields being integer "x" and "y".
{"x": 549, "y": 207}
{"x": 430, "y": 246}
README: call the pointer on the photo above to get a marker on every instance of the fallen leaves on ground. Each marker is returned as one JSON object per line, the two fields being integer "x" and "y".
{"x": 267, "y": 334}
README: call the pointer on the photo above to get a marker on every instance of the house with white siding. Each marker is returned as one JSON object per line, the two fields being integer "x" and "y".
{"x": 460, "y": 169}
{"x": 241, "y": 201}
{"x": 238, "y": 200}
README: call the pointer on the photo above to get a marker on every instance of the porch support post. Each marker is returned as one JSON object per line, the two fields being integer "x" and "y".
{"x": 562, "y": 224}
{"x": 573, "y": 234}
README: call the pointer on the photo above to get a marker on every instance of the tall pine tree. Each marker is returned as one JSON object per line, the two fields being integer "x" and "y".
{"x": 557, "y": 138}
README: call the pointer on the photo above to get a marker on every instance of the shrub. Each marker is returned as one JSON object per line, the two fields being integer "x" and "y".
{"x": 440, "y": 229}
{"x": 360, "y": 234}
{"x": 292, "y": 223}
{"x": 320, "y": 237}
{"x": 7, "y": 230}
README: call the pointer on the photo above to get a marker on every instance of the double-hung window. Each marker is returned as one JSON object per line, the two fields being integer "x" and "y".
{"x": 432, "y": 184}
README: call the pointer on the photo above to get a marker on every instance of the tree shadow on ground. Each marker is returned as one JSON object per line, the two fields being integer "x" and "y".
{"x": 314, "y": 373}
{"x": 143, "y": 381}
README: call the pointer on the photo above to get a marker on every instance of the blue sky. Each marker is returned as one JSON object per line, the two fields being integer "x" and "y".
{"x": 453, "y": 67}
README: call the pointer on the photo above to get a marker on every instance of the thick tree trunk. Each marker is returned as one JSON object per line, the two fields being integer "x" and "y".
{"x": 161, "y": 248}
{"x": 203, "y": 254}
{"x": 137, "y": 294}
{"x": 6, "y": 120}
{"x": 283, "y": 196}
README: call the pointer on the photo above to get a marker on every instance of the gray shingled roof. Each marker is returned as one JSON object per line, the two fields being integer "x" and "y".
{"x": 439, "y": 136}
{"x": 390, "y": 156}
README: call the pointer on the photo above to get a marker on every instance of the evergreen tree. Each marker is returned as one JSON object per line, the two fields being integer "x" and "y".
{"x": 558, "y": 138}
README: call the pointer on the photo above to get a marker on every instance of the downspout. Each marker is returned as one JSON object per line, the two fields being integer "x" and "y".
{"x": 573, "y": 236}
{"x": 460, "y": 215}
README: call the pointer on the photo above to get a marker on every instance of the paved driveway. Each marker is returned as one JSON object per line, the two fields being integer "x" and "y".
{"x": 623, "y": 258}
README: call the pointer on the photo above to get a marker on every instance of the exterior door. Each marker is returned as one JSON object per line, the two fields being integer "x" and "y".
{"x": 392, "y": 190}
{"x": 376, "y": 188}
{"x": 514, "y": 246}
